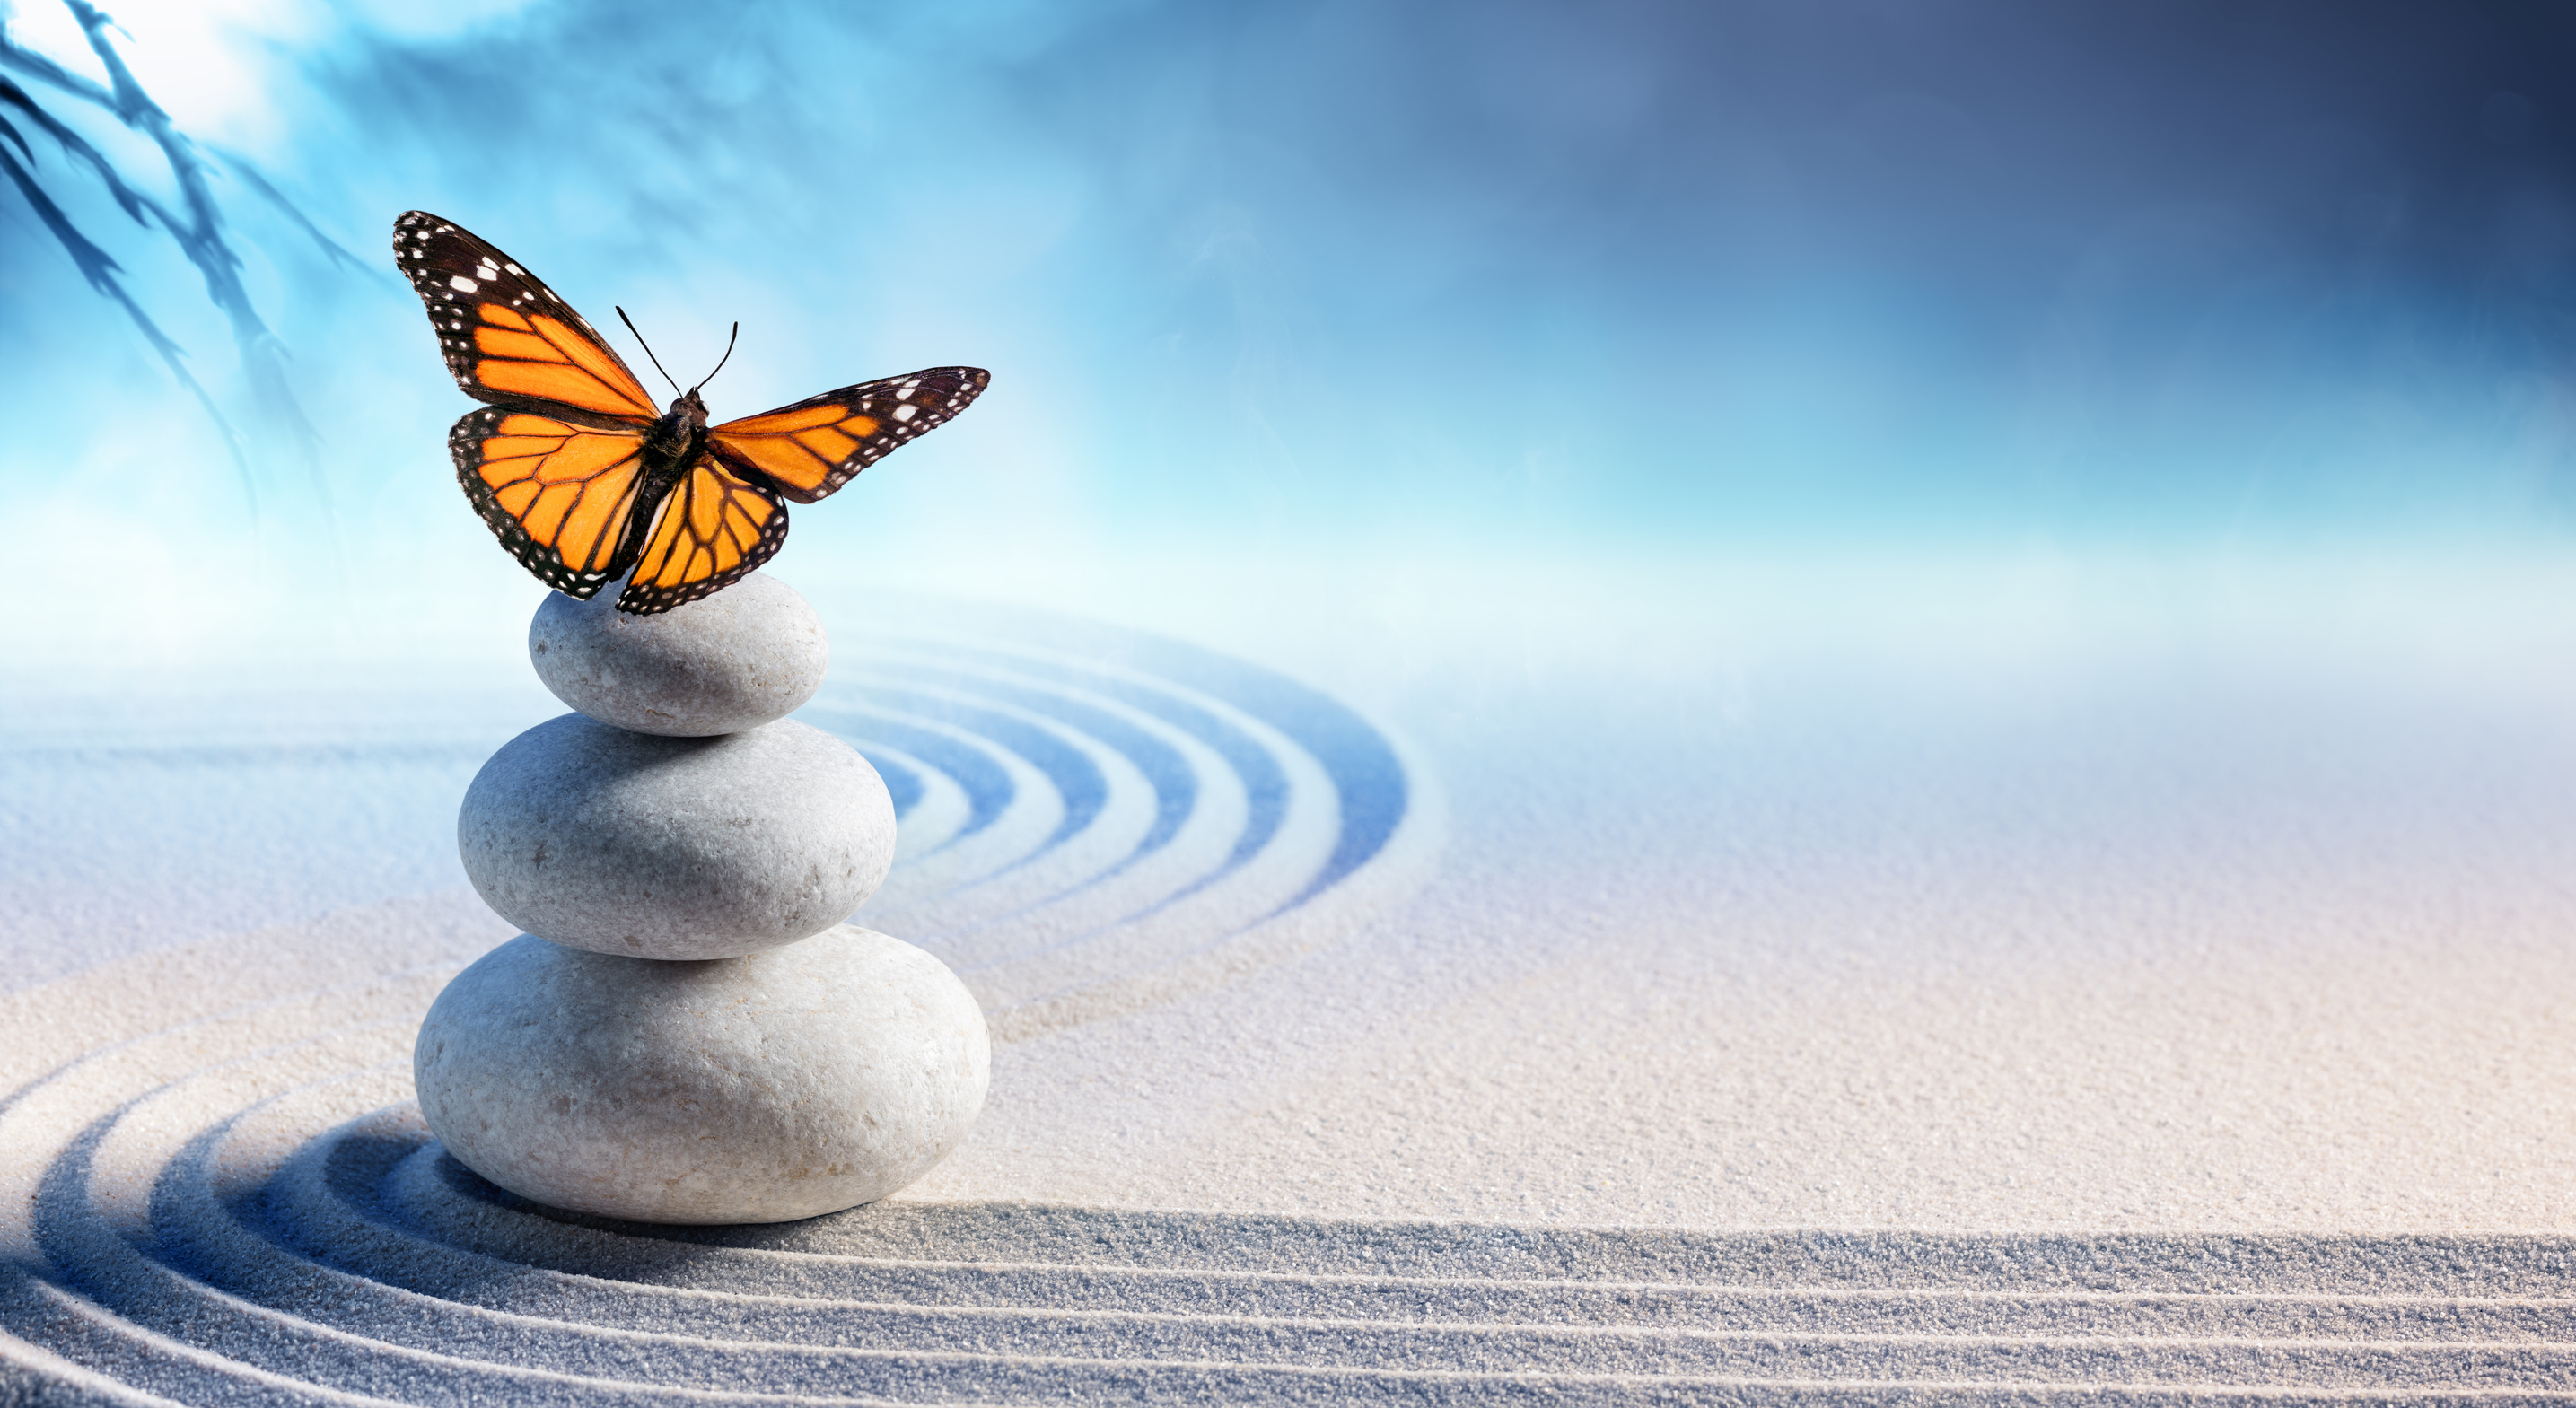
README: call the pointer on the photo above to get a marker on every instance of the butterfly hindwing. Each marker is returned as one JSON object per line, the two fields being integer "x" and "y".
{"x": 561, "y": 496}
{"x": 714, "y": 527}
{"x": 509, "y": 339}
{"x": 586, "y": 483}
{"x": 815, "y": 446}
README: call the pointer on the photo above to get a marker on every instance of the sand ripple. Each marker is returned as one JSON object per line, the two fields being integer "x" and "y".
{"x": 214, "y": 1187}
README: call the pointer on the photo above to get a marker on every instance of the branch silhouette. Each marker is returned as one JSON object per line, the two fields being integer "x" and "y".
{"x": 197, "y": 227}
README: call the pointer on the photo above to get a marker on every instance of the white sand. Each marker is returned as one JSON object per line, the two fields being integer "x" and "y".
{"x": 1926, "y": 990}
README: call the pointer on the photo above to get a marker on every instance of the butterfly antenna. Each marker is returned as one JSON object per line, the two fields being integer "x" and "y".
{"x": 720, "y": 361}
{"x": 648, "y": 348}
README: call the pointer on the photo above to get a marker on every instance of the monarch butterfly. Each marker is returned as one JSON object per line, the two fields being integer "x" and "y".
{"x": 585, "y": 484}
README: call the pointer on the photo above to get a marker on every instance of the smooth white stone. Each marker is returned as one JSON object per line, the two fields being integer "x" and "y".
{"x": 787, "y": 1084}
{"x": 675, "y": 847}
{"x": 721, "y": 664}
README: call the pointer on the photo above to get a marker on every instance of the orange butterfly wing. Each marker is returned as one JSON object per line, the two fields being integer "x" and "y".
{"x": 561, "y": 496}
{"x": 557, "y": 467}
{"x": 509, "y": 339}
{"x": 817, "y": 445}
{"x": 714, "y": 528}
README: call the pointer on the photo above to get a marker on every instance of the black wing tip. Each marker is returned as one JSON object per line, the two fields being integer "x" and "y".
{"x": 969, "y": 379}
{"x": 413, "y": 230}
{"x": 971, "y": 383}
{"x": 412, "y": 222}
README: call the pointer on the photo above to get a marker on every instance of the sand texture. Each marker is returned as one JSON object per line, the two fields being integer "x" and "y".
{"x": 1481, "y": 1008}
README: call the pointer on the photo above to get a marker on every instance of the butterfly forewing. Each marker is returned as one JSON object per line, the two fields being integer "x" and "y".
{"x": 815, "y": 446}
{"x": 508, "y": 338}
{"x": 560, "y": 469}
{"x": 561, "y": 496}
{"x": 713, "y": 529}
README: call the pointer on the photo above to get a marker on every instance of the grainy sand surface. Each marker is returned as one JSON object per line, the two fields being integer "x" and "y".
{"x": 1948, "y": 982}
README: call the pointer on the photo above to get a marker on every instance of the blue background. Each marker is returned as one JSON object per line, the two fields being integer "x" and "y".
{"x": 1325, "y": 282}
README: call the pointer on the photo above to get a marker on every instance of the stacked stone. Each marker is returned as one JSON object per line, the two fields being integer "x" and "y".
{"x": 687, "y": 1032}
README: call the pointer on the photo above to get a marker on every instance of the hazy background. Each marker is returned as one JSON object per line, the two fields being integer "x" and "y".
{"x": 1985, "y": 588}
{"x": 1348, "y": 284}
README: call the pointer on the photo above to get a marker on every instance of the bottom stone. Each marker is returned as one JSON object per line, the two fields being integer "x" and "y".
{"x": 784, "y": 1084}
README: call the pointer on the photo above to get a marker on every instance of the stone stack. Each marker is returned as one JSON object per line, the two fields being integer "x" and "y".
{"x": 687, "y": 1032}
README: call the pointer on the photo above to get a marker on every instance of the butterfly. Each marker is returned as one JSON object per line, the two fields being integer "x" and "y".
{"x": 585, "y": 483}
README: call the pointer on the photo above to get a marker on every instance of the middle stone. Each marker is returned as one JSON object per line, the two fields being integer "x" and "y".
{"x": 675, "y": 847}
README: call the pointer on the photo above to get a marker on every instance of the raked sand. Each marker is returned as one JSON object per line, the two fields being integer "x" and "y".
{"x": 1984, "y": 986}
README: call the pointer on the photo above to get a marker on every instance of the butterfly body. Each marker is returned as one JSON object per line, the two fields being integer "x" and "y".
{"x": 674, "y": 440}
{"x": 680, "y": 433}
{"x": 585, "y": 483}
{"x": 677, "y": 438}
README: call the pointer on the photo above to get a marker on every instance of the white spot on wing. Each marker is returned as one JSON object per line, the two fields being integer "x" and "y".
{"x": 463, "y": 284}
{"x": 905, "y": 411}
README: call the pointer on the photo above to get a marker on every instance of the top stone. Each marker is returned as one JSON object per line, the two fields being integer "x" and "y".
{"x": 721, "y": 664}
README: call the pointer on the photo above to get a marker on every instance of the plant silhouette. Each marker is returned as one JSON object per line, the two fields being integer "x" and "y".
{"x": 194, "y": 223}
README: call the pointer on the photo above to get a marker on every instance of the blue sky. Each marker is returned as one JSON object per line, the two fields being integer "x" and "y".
{"x": 1323, "y": 278}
